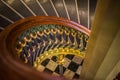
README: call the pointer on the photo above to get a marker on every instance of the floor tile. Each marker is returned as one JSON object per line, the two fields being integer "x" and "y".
{"x": 79, "y": 70}
{"x": 45, "y": 62}
{"x": 73, "y": 66}
{"x": 40, "y": 68}
{"x": 68, "y": 74}
{"x": 51, "y": 65}
{"x": 77, "y": 59}
{"x": 67, "y": 62}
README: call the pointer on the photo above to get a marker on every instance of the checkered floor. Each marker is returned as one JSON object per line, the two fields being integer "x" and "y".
{"x": 71, "y": 67}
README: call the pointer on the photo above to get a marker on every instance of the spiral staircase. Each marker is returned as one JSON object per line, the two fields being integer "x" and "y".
{"x": 56, "y": 47}
{"x": 49, "y": 40}
{"x": 49, "y": 44}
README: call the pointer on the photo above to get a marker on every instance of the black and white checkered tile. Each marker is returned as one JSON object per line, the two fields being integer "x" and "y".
{"x": 71, "y": 68}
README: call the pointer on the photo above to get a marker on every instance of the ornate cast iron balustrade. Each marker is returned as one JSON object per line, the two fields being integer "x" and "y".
{"x": 46, "y": 40}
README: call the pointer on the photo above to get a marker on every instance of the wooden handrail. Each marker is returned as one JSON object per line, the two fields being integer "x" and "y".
{"x": 11, "y": 66}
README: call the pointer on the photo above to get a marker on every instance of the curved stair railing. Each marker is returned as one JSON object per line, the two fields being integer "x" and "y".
{"x": 34, "y": 39}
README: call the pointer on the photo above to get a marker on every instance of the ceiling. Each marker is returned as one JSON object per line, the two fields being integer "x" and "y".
{"x": 80, "y": 11}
